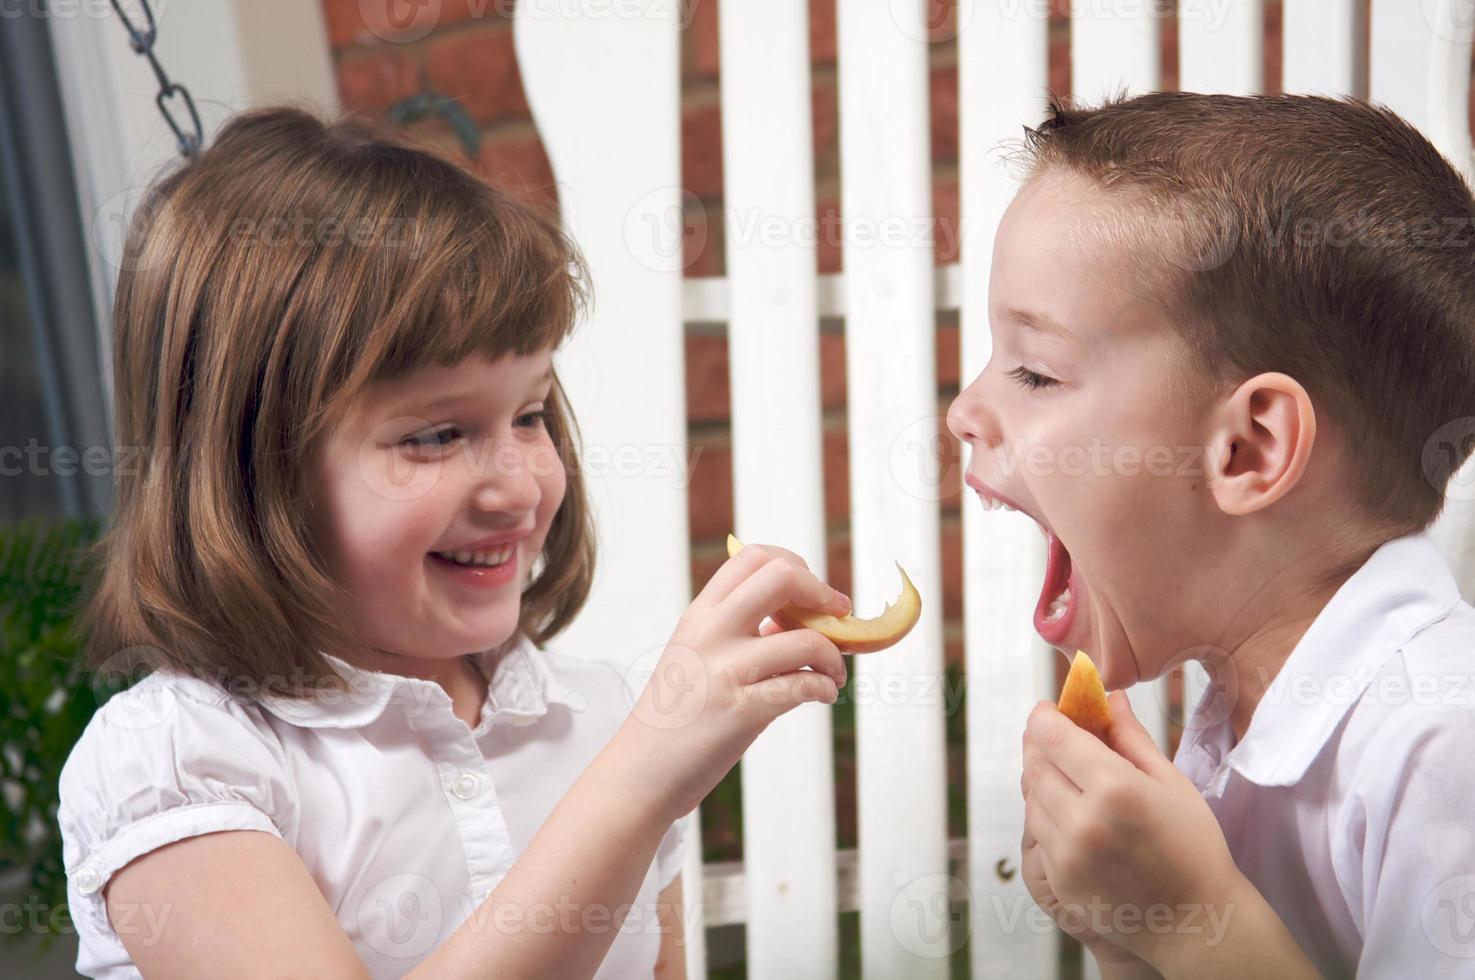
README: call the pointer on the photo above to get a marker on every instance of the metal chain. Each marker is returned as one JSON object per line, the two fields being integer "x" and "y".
{"x": 143, "y": 43}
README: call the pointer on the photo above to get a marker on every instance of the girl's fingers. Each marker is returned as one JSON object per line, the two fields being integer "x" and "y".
{"x": 1051, "y": 793}
{"x": 787, "y": 651}
{"x": 769, "y": 588}
{"x": 776, "y": 695}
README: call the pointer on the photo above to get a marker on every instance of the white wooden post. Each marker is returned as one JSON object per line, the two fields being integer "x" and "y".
{"x": 603, "y": 86}
{"x": 773, "y": 337}
{"x": 890, "y": 330}
{"x": 1002, "y": 76}
{"x": 1321, "y": 47}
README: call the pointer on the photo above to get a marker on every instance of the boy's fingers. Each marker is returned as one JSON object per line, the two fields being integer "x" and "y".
{"x": 1077, "y": 753}
{"x": 1129, "y": 739}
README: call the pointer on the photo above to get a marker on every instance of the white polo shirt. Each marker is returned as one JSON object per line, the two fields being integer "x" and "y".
{"x": 404, "y": 816}
{"x": 1350, "y": 802}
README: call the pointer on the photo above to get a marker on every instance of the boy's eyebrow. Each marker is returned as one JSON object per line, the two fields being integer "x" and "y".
{"x": 1040, "y": 323}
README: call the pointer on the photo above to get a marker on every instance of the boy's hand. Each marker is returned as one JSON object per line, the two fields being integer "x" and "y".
{"x": 1119, "y": 846}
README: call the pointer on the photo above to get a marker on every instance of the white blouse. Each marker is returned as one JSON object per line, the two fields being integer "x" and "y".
{"x": 404, "y": 816}
{"x": 1349, "y": 801}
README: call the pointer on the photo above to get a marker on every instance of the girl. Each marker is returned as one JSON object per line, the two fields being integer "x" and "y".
{"x": 356, "y": 527}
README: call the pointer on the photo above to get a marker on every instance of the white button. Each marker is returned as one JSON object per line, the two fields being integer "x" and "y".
{"x": 522, "y": 721}
{"x": 466, "y": 785}
{"x": 88, "y": 880}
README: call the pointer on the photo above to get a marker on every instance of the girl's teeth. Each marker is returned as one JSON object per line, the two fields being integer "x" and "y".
{"x": 488, "y": 558}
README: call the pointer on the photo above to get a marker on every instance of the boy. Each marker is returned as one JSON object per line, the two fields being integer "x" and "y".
{"x": 1259, "y": 313}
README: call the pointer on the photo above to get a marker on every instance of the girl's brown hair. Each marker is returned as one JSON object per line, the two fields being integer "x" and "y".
{"x": 1323, "y": 238}
{"x": 264, "y": 286}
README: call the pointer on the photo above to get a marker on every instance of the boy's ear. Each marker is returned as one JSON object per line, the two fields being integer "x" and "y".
{"x": 1263, "y": 443}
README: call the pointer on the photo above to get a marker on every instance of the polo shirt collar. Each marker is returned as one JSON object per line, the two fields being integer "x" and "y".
{"x": 521, "y": 689}
{"x": 1403, "y": 587}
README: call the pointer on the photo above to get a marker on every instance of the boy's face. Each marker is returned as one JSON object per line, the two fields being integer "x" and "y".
{"x": 1098, "y": 454}
{"x": 447, "y": 459}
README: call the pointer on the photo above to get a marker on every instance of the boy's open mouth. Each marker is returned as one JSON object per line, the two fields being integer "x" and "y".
{"x": 1056, "y": 610}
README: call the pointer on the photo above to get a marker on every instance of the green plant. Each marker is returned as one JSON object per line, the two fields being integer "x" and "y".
{"x": 46, "y": 699}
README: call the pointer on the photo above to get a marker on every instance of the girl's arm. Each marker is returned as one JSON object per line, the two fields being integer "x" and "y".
{"x": 242, "y": 904}
{"x": 671, "y": 963}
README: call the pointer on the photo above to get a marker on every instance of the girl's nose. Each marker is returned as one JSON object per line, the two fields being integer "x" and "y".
{"x": 508, "y": 485}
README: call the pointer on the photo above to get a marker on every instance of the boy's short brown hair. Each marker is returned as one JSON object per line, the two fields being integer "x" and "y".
{"x": 1324, "y": 238}
{"x": 264, "y": 285}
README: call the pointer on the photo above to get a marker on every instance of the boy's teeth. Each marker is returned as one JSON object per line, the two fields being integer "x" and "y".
{"x": 1058, "y": 607}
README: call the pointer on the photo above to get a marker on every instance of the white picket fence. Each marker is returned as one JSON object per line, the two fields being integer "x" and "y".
{"x": 602, "y": 77}
{"x": 605, "y": 93}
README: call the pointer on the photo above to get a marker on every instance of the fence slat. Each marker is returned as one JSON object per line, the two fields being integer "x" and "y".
{"x": 892, "y": 406}
{"x": 1002, "y": 74}
{"x": 1222, "y": 50}
{"x": 773, "y": 337}
{"x": 583, "y": 70}
{"x": 1321, "y": 45}
{"x": 1113, "y": 46}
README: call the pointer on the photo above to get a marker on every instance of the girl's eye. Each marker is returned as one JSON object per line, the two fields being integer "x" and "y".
{"x": 1027, "y": 377}
{"x": 433, "y": 440}
{"x": 532, "y": 420}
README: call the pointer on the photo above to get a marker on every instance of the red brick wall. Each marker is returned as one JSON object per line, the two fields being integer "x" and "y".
{"x": 465, "y": 53}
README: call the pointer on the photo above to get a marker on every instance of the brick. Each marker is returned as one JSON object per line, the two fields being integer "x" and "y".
{"x": 357, "y": 22}
{"x": 1058, "y": 70}
{"x": 825, "y": 111}
{"x": 837, "y": 475}
{"x": 947, "y": 226}
{"x": 830, "y": 257}
{"x": 952, "y": 569}
{"x": 702, "y": 39}
{"x": 709, "y": 495}
{"x": 374, "y": 82}
{"x": 708, "y": 378}
{"x": 703, "y": 249}
{"x": 831, "y": 370}
{"x": 944, "y": 81}
{"x": 947, "y": 355}
{"x": 478, "y": 67}
{"x": 837, "y": 563}
{"x": 518, "y": 163}
{"x": 701, "y": 149}
{"x": 822, "y": 44}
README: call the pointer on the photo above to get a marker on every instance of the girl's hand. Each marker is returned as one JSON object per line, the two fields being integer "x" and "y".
{"x": 1119, "y": 842}
{"x": 720, "y": 681}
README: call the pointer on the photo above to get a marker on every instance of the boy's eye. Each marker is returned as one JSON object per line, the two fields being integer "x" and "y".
{"x": 432, "y": 440}
{"x": 1025, "y": 376}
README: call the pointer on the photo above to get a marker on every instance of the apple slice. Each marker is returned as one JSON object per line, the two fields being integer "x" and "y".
{"x": 848, "y": 633}
{"x": 1083, "y": 699}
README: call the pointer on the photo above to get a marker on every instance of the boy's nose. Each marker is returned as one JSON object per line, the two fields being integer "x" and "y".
{"x": 959, "y": 420}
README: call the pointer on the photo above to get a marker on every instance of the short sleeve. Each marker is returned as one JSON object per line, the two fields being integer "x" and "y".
{"x": 1418, "y": 853}
{"x": 671, "y": 855}
{"x": 159, "y": 762}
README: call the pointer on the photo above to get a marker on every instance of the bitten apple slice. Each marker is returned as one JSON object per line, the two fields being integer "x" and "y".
{"x": 848, "y": 633}
{"x": 1083, "y": 699}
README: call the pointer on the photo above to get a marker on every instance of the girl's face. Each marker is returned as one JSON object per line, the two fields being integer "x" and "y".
{"x": 433, "y": 499}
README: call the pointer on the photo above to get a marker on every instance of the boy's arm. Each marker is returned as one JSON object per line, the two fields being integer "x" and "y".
{"x": 1111, "y": 970}
{"x": 1251, "y": 941}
